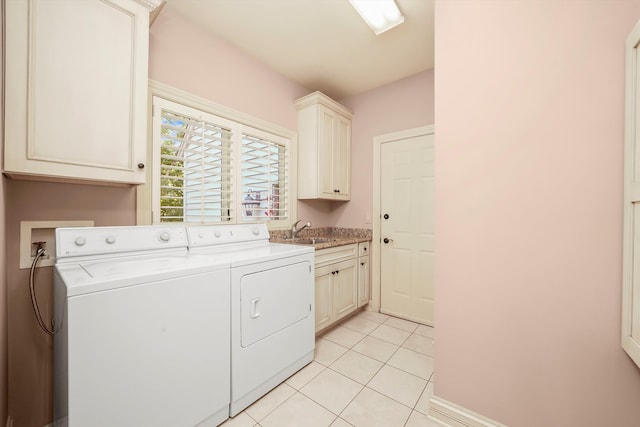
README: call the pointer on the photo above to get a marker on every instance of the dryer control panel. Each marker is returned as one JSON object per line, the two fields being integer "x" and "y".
{"x": 210, "y": 235}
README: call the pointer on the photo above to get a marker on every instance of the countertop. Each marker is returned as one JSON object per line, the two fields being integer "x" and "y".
{"x": 330, "y": 236}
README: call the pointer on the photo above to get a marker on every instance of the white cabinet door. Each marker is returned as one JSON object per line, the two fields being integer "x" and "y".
{"x": 324, "y": 297}
{"x": 363, "y": 281}
{"x": 342, "y": 158}
{"x": 363, "y": 274}
{"x": 345, "y": 278}
{"x": 336, "y": 284}
{"x": 76, "y": 84}
{"x": 326, "y": 152}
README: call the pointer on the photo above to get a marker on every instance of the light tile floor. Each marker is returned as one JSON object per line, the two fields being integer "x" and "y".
{"x": 371, "y": 370}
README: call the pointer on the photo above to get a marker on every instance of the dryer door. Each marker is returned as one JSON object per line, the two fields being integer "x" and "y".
{"x": 273, "y": 299}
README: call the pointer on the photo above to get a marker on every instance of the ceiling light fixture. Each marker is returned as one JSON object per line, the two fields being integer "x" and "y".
{"x": 380, "y": 15}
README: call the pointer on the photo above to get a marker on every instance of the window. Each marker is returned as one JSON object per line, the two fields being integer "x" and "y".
{"x": 195, "y": 167}
{"x": 208, "y": 168}
{"x": 264, "y": 178}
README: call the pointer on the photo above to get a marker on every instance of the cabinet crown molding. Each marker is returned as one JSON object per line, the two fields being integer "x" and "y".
{"x": 320, "y": 98}
{"x": 151, "y": 4}
{"x": 154, "y": 6}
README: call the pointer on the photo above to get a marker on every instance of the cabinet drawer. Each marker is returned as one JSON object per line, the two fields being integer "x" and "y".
{"x": 339, "y": 253}
{"x": 363, "y": 248}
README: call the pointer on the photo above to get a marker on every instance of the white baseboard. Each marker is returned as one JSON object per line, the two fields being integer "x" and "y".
{"x": 451, "y": 415}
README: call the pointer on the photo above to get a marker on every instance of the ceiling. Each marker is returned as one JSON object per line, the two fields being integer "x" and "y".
{"x": 320, "y": 44}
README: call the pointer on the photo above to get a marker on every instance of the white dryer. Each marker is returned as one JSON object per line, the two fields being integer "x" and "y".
{"x": 142, "y": 330}
{"x": 272, "y": 306}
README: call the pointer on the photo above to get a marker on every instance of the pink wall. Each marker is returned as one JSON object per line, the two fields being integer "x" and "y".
{"x": 529, "y": 147}
{"x": 189, "y": 58}
{"x": 30, "y": 350}
{"x": 211, "y": 68}
{"x": 405, "y": 104}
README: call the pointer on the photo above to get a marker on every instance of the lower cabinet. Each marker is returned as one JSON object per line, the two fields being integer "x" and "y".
{"x": 336, "y": 292}
{"x": 340, "y": 280}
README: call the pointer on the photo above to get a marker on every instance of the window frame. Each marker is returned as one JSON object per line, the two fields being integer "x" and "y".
{"x": 242, "y": 122}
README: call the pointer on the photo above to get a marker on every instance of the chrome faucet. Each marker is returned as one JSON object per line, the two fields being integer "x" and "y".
{"x": 295, "y": 231}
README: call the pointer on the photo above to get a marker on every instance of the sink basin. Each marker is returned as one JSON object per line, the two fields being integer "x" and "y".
{"x": 308, "y": 240}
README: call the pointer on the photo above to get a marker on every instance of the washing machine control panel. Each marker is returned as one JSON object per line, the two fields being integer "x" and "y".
{"x": 89, "y": 241}
{"x": 209, "y": 235}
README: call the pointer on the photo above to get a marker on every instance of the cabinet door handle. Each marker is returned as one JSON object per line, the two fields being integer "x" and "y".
{"x": 362, "y": 263}
{"x": 333, "y": 272}
{"x": 337, "y": 271}
{"x": 336, "y": 191}
{"x": 386, "y": 240}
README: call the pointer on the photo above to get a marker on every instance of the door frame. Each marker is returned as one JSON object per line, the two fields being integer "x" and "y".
{"x": 374, "y": 303}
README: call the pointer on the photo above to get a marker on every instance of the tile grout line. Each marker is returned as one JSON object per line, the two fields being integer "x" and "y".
{"x": 364, "y": 386}
{"x": 412, "y": 409}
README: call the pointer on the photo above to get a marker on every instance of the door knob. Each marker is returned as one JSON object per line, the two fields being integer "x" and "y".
{"x": 386, "y": 216}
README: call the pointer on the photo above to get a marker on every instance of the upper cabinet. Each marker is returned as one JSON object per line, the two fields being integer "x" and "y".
{"x": 76, "y": 89}
{"x": 324, "y": 148}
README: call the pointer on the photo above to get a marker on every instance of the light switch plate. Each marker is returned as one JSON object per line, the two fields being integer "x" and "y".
{"x": 42, "y": 231}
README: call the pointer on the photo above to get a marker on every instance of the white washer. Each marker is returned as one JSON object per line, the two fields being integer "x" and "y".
{"x": 272, "y": 306}
{"x": 142, "y": 330}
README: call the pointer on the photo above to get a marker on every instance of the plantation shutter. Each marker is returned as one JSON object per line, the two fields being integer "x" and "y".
{"x": 265, "y": 177}
{"x": 196, "y": 151}
{"x": 209, "y": 168}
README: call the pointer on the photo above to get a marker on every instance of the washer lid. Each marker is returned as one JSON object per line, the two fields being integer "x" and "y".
{"x": 100, "y": 275}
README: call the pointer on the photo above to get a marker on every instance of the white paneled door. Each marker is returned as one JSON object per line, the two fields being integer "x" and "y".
{"x": 407, "y": 248}
{"x": 631, "y": 234}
